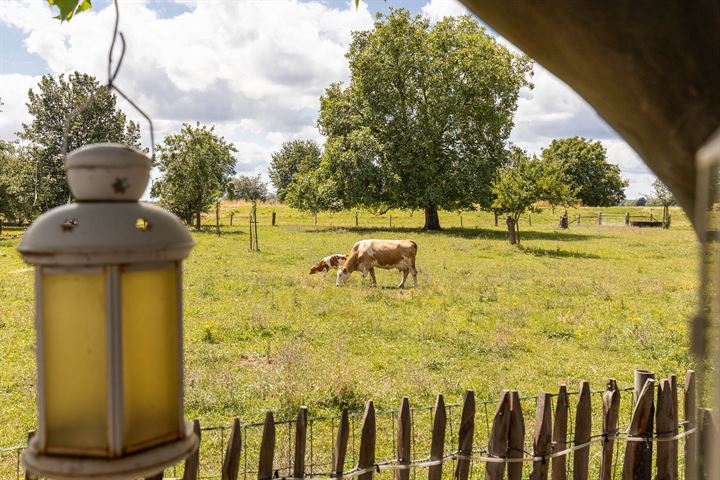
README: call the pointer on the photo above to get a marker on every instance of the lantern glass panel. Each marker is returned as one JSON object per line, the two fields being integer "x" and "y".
{"x": 150, "y": 352}
{"x": 74, "y": 335}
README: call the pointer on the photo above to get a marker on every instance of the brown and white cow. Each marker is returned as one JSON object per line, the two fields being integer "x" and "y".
{"x": 387, "y": 254}
{"x": 328, "y": 262}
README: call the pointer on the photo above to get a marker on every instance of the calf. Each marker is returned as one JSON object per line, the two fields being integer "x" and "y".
{"x": 368, "y": 254}
{"x": 327, "y": 263}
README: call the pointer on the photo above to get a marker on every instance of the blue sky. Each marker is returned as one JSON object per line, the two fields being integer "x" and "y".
{"x": 253, "y": 68}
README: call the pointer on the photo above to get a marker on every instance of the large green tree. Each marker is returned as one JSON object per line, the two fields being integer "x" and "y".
{"x": 16, "y": 183}
{"x": 294, "y": 157}
{"x": 524, "y": 182}
{"x": 244, "y": 187}
{"x": 195, "y": 167}
{"x": 424, "y": 121}
{"x": 585, "y": 164}
{"x": 50, "y": 105}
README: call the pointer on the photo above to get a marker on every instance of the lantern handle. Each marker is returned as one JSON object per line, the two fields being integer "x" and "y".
{"x": 109, "y": 86}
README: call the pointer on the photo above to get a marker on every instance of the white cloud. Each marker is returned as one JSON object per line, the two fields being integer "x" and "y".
{"x": 436, "y": 10}
{"x": 13, "y": 93}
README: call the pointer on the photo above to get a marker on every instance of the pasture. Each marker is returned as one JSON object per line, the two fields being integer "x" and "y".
{"x": 588, "y": 303}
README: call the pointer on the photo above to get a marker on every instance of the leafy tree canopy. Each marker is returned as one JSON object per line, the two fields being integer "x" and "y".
{"x": 247, "y": 188}
{"x": 16, "y": 183}
{"x": 586, "y": 168}
{"x": 49, "y": 106}
{"x": 195, "y": 166}
{"x": 294, "y": 157}
{"x": 662, "y": 195}
{"x": 424, "y": 121}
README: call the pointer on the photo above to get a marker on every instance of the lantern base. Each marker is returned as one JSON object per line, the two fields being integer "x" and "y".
{"x": 141, "y": 464}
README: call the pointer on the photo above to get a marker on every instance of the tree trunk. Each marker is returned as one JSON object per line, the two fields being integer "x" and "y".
{"x": 198, "y": 223}
{"x": 432, "y": 220}
{"x": 512, "y": 236}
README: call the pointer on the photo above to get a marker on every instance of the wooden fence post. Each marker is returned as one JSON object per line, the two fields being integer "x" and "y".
{"x": 559, "y": 438}
{"x": 356, "y": 218}
{"x": 708, "y": 450}
{"x": 578, "y": 219}
{"x": 645, "y": 450}
{"x": 217, "y": 218}
{"x": 583, "y": 427}
{"x": 611, "y": 415}
{"x": 192, "y": 463}
{"x": 404, "y": 442}
{"x": 28, "y": 474}
{"x": 300, "y": 442}
{"x": 343, "y": 433}
{"x": 231, "y": 463}
{"x": 627, "y": 218}
{"x": 690, "y": 417}
{"x": 499, "y": 437}
{"x": 437, "y": 443}
{"x": 529, "y": 220}
{"x": 674, "y": 454}
{"x": 542, "y": 438}
{"x": 665, "y": 424}
{"x": 267, "y": 449}
{"x": 516, "y": 440}
{"x": 366, "y": 455}
{"x": 273, "y": 218}
{"x": 465, "y": 436}
{"x": 635, "y": 466}
{"x": 496, "y": 219}
{"x": 599, "y": 218}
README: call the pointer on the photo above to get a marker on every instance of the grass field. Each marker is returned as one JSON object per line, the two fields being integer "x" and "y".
{"x": 589, "y": 303}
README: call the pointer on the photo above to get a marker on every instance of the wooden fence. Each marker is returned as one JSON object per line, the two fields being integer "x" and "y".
{"x": 638, "y": 432}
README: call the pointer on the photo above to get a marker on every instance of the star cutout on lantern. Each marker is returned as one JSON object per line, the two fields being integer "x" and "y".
{"x": 120, "y": 185}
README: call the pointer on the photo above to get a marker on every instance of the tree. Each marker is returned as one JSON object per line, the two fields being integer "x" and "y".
{"x": 99, "y": 121}
{"x": 586, "y": 168}
{"x": 296, "y": 156}
{"x": 313, "y": 192}
{"x": 16, "y": 183}
{"x": 424, "y": 120}
{"x": 663, "y": 196}
{"x": 522, "y": 184}
{"x": 195, "y": 167}
{"x": 247, "y": 188}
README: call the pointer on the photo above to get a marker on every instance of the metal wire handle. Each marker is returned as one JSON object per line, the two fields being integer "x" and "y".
{"x": 109, "y": 86}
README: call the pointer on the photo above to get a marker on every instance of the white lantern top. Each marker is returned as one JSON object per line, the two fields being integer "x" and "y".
{"x": 107, "y": 225}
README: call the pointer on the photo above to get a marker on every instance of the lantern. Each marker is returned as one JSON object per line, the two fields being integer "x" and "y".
{"x": 108, "y": 288}
{"x": 705, "y": 329}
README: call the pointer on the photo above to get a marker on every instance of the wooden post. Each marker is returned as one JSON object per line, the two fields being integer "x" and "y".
{"x": 529, "y": 220}
{"x": 356, "y": 218}
{"x": 583, "y": 427}
{"x": 404, "y": 444}
{"x": 267, "y": 449}
{"x": 461, "y": 224}
{"x": 672, "y": 378}
{"x": 499, "y": 437}
{"x": 627, "y": 218}
{"x": 611, "y": 415}
{"x": 343, "y": 433}
{"x": 707, "y": 447}
{"x": 645, "y": 450}
{"x": 315, "y": 218}
{"x": 635, "y": 465}
{"x": 217, "y": 218}
{"x": 300, "y": 442}
{"x": 390, "y": 221}
{"x": 366, "y": 455}
{"x": 665, "y": 425}
{"x": 232, "y": 214}
{"x": 559, "y": 438}
{"x": 578, "y": 219}
{"x": 273, "y": 218}
{"x": 231, "y": 462}
{"x": 542, "y": 438}
{"x": 516, "y": 440}
{"x": 255, "y": 222}
{"x": 690, "y": 417}
{"x": 599, "y": 218}
{"x": 496, "y": 219}
{"x": 192, "y": 463}
{"x": 28, "y": 474}
{"x": 437, "y": 442}
{"x": 465, "y": 436}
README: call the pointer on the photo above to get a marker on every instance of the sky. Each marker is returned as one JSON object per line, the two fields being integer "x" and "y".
{"x": 255, "y": 69}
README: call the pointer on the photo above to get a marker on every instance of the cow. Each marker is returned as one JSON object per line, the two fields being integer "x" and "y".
{"x": 387, "y": 254}
{"x": 336, "y": 260}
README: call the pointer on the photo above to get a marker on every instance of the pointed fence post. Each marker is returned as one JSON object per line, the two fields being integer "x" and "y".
{"x": 267, "y": 449}
{"x": 634, "y": 466}
{"x": 465, "y": 436}
{"x": 611, "y": 415}
{"x": 560, "y": 428}
{"x": 437, "y": 442}
{"x": 542, "y": 438}
{"x": 499, "y": 438}
{"x": 343, "y": 433}
{"x": 231, "y": 463}
{"x": 583, "y": 427}
{"x": 674, "y": 453}
{"x": 192, "y": 463}
{"x": 665, "y": 424}
{"x": 366, "y": 457}
{"x": 690, "y": 417}
{"x": 645, "y": 450}
{"x": 516, "y": 441}
{"x": 403, "y": 440}
{"x": 300, "y": 443}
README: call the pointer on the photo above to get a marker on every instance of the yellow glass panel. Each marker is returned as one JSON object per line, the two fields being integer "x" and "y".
{"x": 151, "y": 372}
{"x": 75, "y": 362}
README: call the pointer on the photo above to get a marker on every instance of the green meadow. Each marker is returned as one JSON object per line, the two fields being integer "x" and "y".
{"x": 587, "y": 303}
